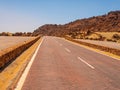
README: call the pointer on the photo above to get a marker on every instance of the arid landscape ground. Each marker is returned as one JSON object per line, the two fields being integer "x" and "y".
{"x": 103, "y": 43}
{"x": 8, "y": 41}
{"x": 11, "y": 74}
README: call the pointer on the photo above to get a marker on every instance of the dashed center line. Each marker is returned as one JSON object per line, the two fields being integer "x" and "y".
{"x": 67, "y": 50}
{"x": 86, "y": 63}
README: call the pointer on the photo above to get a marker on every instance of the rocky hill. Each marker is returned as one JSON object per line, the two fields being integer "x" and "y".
{"x": 105, "y": 23}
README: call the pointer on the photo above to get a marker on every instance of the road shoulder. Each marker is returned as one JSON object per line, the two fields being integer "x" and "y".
{"x": 95, "y": 50}
{"x": 11, "y": 74}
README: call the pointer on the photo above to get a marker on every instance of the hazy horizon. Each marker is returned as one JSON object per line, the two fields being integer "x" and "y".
{"x": 27, "y": 15}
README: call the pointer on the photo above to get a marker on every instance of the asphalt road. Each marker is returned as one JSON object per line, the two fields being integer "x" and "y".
{"x": 61, "y": 65}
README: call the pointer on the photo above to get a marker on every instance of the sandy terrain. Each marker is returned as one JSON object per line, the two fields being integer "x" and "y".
{"x": 6, "y": 42}
{"x": 103, "y": 43}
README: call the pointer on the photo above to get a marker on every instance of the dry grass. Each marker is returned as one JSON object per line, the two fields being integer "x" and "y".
{"x": 12, "y": 73}
{"x": 10, "y": 54}
{"x": 108, "y": 35}
{"x": 93, "y": 36}
{"x": 104, "y": 36}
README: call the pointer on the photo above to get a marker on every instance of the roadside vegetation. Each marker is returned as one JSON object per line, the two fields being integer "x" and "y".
{"x": 16, "y": 34}
{"x": 100, "y": 36}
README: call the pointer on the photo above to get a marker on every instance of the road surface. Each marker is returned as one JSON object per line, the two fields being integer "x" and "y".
{"x": 61, "y": 65}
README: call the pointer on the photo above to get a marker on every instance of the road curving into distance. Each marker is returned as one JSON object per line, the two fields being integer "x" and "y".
{"x": 61, "y": 65}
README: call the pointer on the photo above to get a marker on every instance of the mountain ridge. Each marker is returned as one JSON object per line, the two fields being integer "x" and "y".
{"x": 105, "y": 23}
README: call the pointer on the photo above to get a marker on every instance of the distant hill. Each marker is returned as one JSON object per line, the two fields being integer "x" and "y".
{"x": 105, "y": 23}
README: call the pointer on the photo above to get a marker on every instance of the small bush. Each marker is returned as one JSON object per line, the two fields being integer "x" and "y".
{"x": 86, "y": 38}
{"x": 108, "y": 39}
{"x": 116, "y": 36}
{"x": 112, "y": 40}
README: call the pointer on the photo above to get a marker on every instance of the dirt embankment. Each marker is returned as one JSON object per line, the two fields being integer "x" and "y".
{"x": 102, "y": 43}
{"x": 9, "y": 54}
{"x": 103, "y": 48}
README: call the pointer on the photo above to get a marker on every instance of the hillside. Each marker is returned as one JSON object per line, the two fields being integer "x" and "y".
{"x": 105, "y": 23}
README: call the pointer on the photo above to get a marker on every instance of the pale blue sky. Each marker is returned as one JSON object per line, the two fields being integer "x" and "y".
{"x": 27, "y": 15}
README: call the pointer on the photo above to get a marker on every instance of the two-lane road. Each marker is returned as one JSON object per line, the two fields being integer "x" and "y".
{"x": 61, "y": 65}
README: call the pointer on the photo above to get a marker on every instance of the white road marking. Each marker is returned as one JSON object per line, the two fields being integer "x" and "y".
{"x": 86, "y": 63}
{"x": 24, "y": 75}
{"x": 67, "y": 50}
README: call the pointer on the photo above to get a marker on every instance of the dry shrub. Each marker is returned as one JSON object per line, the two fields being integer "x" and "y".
{"x": 116, "y": 36}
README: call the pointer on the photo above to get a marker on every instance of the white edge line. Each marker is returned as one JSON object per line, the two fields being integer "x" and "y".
{"x": 24, "y": 75}
{"x": 86, "y": 63}
{"x": 67, "y": 50}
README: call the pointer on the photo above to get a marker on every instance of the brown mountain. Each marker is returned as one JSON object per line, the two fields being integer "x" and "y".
{"x": 107, "y": 23}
